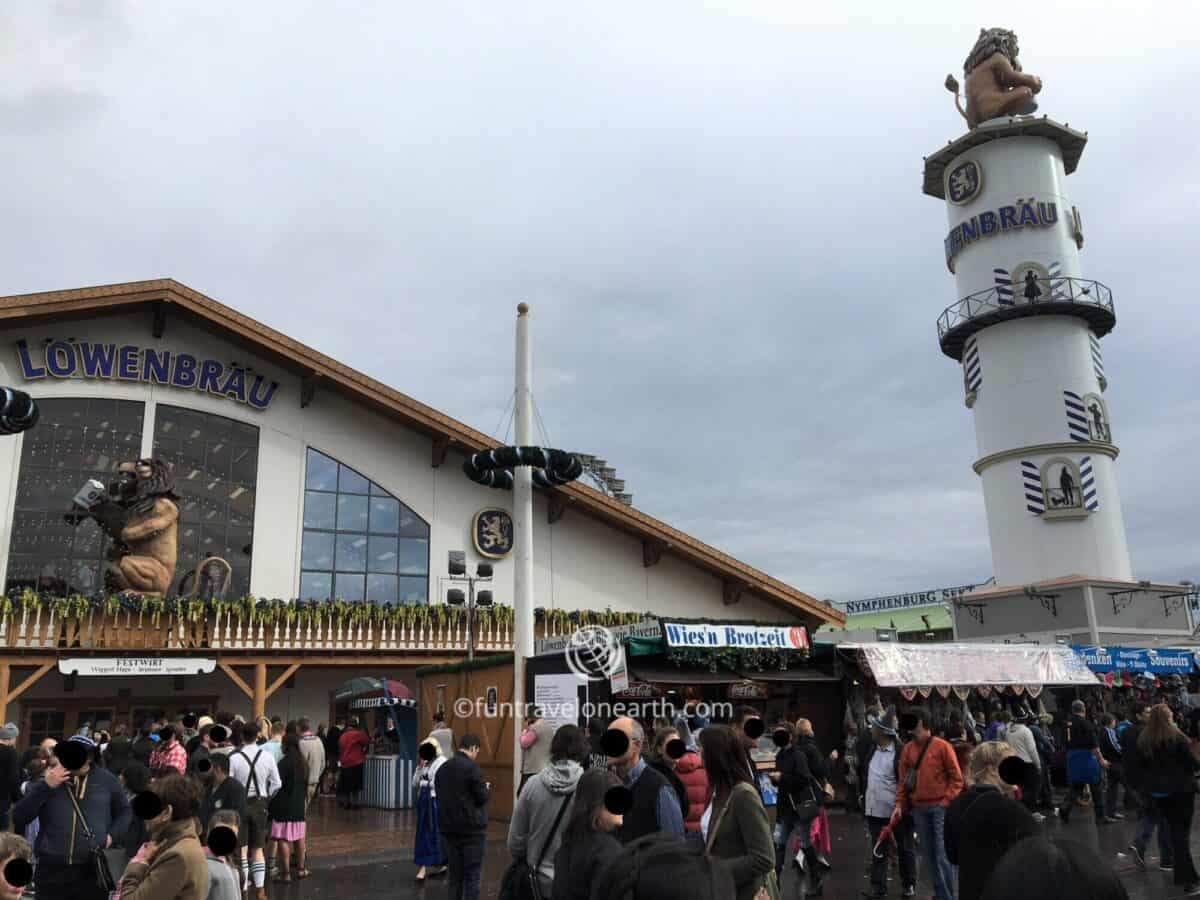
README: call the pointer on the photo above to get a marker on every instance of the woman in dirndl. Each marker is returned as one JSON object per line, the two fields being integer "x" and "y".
{"x": 427, "y": 850}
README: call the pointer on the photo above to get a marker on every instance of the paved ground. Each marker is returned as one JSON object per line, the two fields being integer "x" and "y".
{"x": 368, "y": 853}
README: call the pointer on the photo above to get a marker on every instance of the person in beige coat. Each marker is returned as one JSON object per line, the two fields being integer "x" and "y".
{"x": 171, "y": 865}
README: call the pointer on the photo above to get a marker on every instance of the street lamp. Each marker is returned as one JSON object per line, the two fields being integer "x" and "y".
{"x": 457, "y": 568}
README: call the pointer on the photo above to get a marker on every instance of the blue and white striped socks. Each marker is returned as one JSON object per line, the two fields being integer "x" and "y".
{"x": 245, "y": 873}
{"x": 258, "y": 873}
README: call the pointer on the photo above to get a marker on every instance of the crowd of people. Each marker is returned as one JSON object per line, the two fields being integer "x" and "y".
{"x": 623, "y": 809}
{"x": 132, "y": 814}
{"x": 214, "y": 807}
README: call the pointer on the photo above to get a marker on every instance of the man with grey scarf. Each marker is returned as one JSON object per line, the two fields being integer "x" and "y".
{"x": 536, "y": 830}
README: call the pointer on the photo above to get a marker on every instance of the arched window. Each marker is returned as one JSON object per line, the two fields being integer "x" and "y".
{"x": 1097, "y": 418}
{"x": 1062, "y": 484}
{"x": 75, "y": 439}
{"x": 215, "y": 459}
{"x": 360, "y": 543}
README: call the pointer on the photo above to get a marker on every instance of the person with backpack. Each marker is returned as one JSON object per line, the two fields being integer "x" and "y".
{"x": 929, "y": 779}
{"x": 881, "y": 764}
{"x": 537, "y": 824}
{"x": 255, "y": 769}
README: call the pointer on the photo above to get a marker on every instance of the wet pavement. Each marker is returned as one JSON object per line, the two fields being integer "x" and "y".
{"x": 368, "y": 853}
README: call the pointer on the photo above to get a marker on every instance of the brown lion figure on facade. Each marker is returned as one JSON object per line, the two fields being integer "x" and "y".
{"x": 140, "y": 514}
{"x": 994, "y": 83}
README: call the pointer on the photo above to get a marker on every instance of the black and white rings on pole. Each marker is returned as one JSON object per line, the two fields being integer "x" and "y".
{"x": 18, "y": 411}
{"x": 551, "y": 468}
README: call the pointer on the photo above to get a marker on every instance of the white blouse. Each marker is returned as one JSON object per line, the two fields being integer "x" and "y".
{"x": 704, "y": 822}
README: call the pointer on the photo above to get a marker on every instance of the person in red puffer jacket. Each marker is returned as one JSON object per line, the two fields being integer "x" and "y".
{"x": 676, "y": 750}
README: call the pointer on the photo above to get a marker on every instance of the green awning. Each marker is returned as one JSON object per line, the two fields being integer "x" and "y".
{"x": 641, "y": 646}
{"x": 921, "y": 618}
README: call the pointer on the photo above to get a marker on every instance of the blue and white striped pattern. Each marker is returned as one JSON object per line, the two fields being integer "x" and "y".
{"x": 1059, "y": 287}
{"x": 1087, "y": 479}
{"x": 1077, "y": 421}
{"x": 1097, "y": 360}
{"x": 1004, "y": 287}
{"x": 1031, "y": 478}
{"x": 972, "y": 373}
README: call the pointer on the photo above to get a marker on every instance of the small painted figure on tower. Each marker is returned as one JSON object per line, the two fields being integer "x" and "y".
{"x": 1032, "y": 291}
{"x": 1098, "y": 426}
{"x": 1068, "y": 491}
{"x": 994, "y": 83}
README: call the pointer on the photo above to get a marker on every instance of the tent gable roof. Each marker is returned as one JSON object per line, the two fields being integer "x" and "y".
{"x": 167, "y": 297}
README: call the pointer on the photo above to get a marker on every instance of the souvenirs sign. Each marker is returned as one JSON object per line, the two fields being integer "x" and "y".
{"x": 751, "y": 637}
{"x": 126, "y": 362}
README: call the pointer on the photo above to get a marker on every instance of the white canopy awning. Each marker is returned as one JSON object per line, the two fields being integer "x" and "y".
{"x": 962, "y": 665}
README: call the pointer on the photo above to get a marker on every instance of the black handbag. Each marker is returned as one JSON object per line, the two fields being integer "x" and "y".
{"x": 96, "y": 857}
{"x": 809, "y": 808}
{"x": 521, "y": 881}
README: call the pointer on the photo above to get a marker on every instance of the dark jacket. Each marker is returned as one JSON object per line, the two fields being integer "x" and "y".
{"x": 1169, "y": 770}
{"x": 743, "y": 840}
{"x": 117, "y": 754}
{"x": 981, "y": 825}
{"x": 672, "y": 779}
{"x": 818, "y": 764}
{"x": 642, "y": 818}
{"x": 141, "y": 749}
{"x": 584, "y": 857}
{"x": 229, "y": 795}
{"x": 1108, "y": 749}
{"x": 288, "y": 803}
{"x": 60, "y": 840}
{"x": 1132, "y": 770}
{"x": 10, "y": 777}
{"x": 796, "y": 783}
{"x": 462, "y": 796}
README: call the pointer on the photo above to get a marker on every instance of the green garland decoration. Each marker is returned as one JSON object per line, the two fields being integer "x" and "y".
{"x": 268, "y": 612}
{"x": 479, "y": 662}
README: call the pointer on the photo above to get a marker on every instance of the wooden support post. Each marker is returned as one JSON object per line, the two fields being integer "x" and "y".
{"x": 441, "y": 444}
{"x": 236, "y": 679}
{"x": 308, "y": 389}
{"x": 260, "y": 689}
{"x": 652, "y": 553}
{"x": 8, "y": 696}
{"x": 278, "y": 682}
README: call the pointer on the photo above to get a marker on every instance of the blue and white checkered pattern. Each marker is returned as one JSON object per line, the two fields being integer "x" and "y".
{"x": 1077, "y": 420}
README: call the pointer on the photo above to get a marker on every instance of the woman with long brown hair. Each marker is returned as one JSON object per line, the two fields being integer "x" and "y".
{"x": 1167, "y": 768}
{"x": 735, "y": 826}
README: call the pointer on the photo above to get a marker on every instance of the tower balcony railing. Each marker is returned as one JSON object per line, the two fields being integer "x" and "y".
{"x": 1056, "y": 296}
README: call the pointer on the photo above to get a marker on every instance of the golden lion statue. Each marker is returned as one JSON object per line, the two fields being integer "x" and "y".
{"x": 994, "y": 83}
{"x": 139, "y": 513}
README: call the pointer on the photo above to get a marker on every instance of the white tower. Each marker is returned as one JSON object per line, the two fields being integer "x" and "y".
{"x": 1026, "y": 329}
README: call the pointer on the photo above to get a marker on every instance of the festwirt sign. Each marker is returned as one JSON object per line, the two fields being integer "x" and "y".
{"x": 748, "y": 637}
{"x": 126, "y": 362}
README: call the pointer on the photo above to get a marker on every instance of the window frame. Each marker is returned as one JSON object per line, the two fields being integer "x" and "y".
{"x": 360, "y": 485}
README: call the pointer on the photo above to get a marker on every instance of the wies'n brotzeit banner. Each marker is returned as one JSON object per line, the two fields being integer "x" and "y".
{"x": 749, "y": 637}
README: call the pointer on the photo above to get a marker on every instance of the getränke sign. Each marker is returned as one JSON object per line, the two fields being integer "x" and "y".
{"x": 126, "y": 362}
{"x": 752, "y": 637}
{"x": 936, "y": 597}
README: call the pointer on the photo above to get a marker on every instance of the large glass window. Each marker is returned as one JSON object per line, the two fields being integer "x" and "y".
{"x": 216, "y": 471}
{"x": 360, "y": 543}
{"x": 74, "y": 440}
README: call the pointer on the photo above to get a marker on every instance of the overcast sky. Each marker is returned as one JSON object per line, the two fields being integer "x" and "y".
{"x": 714, "y": 211}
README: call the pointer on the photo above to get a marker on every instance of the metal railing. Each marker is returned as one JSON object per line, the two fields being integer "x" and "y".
{"x": 1029, "y": 298}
